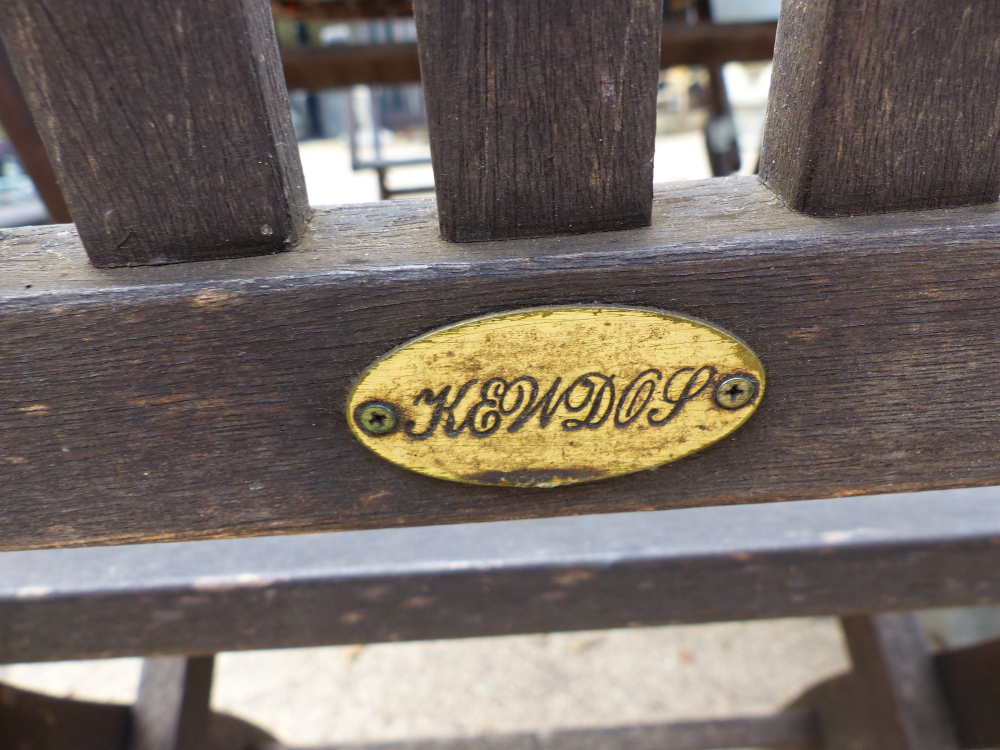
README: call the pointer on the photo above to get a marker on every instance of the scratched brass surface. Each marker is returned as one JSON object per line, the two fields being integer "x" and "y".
{"x": 550, "y": 396}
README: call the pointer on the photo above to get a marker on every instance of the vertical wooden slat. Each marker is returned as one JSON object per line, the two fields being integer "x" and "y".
{"x": 541, "y": 114}
{"x": 720, "y": 131}
{"x": 27, "y": 143}
{"x": 167, "y": 124}
{"x": 884, "y": 106}
{"x": 898, "y": 685}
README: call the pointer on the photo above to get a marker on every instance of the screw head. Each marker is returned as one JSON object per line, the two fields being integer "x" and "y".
{"x": 376, "y": 418}
{"x": 736, "y": 391}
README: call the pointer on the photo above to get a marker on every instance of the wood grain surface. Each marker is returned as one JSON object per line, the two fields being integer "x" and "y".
{"x": 884, "y": 106}
{"x": 333, "y": 66}
{"x": 541, "y": 114}
{"x": 715, "y": 44}
{"x": 201, "y": 400}
{"x": 339, "y": 65}
{"x": 168, "y": 128}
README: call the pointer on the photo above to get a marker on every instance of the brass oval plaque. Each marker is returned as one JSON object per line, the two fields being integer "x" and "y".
{"x": 554, "y": 395}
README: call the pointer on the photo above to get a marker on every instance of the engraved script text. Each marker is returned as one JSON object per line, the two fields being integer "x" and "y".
{"x": 594, "y": 399}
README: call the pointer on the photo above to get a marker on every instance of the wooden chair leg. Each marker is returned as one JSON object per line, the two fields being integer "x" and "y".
{"x": 720, "y": 132}
{"x": 895, "y": 679}
{"x": 970, "y": 677}
{"x": 172, "y": 710}
{"x": 27, "y": 143}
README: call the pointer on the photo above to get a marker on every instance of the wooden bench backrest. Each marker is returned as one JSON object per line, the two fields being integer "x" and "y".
{"x": 207, "y": 399}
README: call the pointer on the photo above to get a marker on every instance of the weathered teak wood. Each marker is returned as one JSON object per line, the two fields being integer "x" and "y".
{"x": 172, "y": 709}
{"x": 541, "y": 114}
{"x": 341, "y": 65}
{"x": 795, "y": 559}
{"x": 884, "y": 106}
{"x": 20, "y": 128}
{"x": 971, "y": 681}
{"x": 720, "y": 130}
{"x": 157, "y": 403}
{"x": 715, "y": 44}
{"x": 898, "y": 685}
{"x": 345, "y": 65}
{"x": 168, "y": 128}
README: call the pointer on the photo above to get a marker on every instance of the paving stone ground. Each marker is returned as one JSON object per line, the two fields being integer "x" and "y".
{"x": 491, "y": 685}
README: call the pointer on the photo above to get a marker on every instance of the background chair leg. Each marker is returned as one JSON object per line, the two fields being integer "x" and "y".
{"x": 27, "y": 143}
{"x": 897, "y": 683}
{"x": 720, "y": 131}
{"x": 172, "y": 710}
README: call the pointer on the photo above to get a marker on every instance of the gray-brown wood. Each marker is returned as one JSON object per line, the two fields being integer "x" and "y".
{"x": 897, "y": 683}
{"x": 839, "y": 713}
{"x": 334, "y": 66}
{"x": 23, "y": 136}
{"x": 720, "y": 130}
{"x": 884, "y": 106}
{"x": 803, "y": 559}
{"x": 715, "y": 44}
{"x": 168, "y": 127}
{"x": 541, "y": 114}
{"x": 339, "y": 65}
{"x": 970, "y": 678}
{"x": 341, "y": 10}
{"x": 172, "y": 710}
{"x": 153, "y": 403}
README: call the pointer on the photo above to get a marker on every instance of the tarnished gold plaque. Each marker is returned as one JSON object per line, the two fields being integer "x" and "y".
{"x": 554, "y": 395}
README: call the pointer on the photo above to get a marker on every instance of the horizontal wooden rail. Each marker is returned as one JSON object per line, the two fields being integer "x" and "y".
{"x": 824, "y": 557}
{"x": 348, "y": 64}
{"x": 715, "y": 44}
{"x": 341, "y": 10}
{"x": 208, "y": 399}
{"x": 340, "y": 65}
